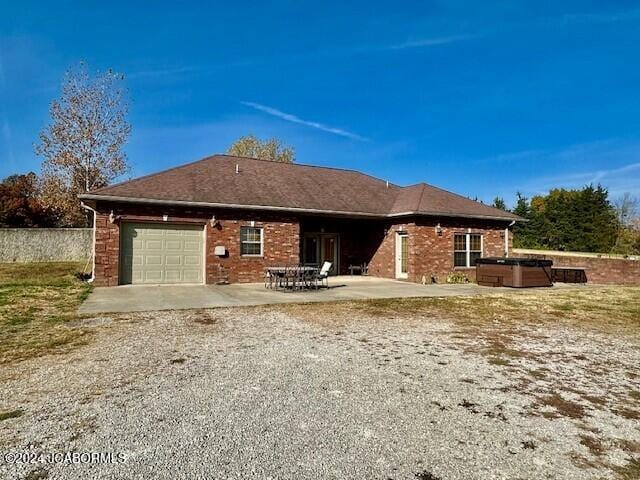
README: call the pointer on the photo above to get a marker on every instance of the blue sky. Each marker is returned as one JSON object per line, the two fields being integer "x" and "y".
{"x": 483, "y": 98}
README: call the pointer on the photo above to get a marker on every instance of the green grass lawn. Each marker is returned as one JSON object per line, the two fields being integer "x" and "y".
{"x": 37, "y": 303}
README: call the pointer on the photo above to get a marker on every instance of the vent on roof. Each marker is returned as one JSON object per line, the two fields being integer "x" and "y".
{"x": 387, "y": 183}
{"x": 237, "y": 168}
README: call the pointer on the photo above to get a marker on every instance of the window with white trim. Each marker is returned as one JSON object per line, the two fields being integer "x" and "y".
{"x": 467, "y": 248}
{"x": 251, "y": 241}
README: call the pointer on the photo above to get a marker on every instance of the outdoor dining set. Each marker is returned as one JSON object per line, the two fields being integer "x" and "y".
{"x": 297, "y": 277}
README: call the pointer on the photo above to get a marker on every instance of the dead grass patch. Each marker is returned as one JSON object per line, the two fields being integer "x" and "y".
{"x": 627, "y": 413}
{"x": 563, "y": 407}
{"x": 40, "y": 473}
{"x": 595, "y": 445}
{"x": 631, "y": 471}
{"x": 503, "y": 362}
{"x": 38, "y": 303}
{"x": 629, "y": 446}
{"x": 622, "y": 313}
{"x": 202, "y": 317}
{"x": 582, "y": 462}
{"x": 600, "y": 401}
{"x": 10, "y": 414}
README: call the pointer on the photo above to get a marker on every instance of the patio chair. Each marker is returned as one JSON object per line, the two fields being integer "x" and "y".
{"x": 269, "y": 279}
{"x": 285, "y": 278}
{"x": 323, "y": 275}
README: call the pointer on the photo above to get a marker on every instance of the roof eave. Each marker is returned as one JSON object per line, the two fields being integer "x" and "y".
{"x": 188, "y": 203}
{"x": 455, "y": 215}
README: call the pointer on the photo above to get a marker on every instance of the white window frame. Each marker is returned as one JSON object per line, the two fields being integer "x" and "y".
{"x": 252, "y": 242}
{"x": 467, "y": 249}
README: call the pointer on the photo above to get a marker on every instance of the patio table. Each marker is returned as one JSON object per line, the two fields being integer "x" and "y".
{"x": 290, "y": 274}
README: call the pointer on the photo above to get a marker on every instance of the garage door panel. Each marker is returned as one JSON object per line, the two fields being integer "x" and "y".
{"x": 153, "y": 276}
{"x": 192, "y": 260}
{"x": 191, "y": 276}
{"x": 152, "y": 244}
{"x": 173, "y": 260}
{"x": 192, "y": 246}
{"x": 161, "y": 253}
{"x": 154, "y": 260}
{"x": 173, "y": 245}
{"x": 173, "y": 276}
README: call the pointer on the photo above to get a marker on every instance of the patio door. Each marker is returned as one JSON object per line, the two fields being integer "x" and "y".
{"x": 402, "y": 255}
{"x": 321, "y": 247}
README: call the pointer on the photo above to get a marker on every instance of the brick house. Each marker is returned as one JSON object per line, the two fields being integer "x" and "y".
{"x": 223, "y": 219}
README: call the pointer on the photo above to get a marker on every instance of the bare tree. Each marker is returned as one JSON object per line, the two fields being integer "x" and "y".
{"x": 82, "y": 146}
{"x": 273, "y": 149}
{"x": 628, "y": 236}
{"x": 627, "y": 208}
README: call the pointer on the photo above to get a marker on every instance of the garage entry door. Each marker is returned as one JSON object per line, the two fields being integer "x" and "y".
{"x": 161, "y": 253}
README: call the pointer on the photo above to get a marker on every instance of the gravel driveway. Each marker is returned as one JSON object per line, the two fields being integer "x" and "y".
{"x": 263, "y": 393}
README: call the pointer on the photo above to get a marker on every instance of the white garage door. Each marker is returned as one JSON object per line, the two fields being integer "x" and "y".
{"x": 161, "y": 253}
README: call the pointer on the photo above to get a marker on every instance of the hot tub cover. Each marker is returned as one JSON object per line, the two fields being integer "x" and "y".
{"x": 523, "y": 262}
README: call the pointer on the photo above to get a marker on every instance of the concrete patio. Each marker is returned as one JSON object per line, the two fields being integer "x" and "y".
{"x": 138, "y": 298}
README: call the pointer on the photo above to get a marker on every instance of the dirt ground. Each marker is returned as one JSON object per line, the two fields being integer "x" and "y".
{"x": 531, "y": 385}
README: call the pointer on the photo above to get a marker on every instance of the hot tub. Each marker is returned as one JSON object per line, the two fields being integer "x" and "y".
{"x": 513, "y": 272}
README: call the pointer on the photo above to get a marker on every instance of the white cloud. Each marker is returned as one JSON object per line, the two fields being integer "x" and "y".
{"x": 430, "y": 42}
{"x": 621, "y": 172}
{"x": 294, "y": 119}
{"x": 328, "y": 53}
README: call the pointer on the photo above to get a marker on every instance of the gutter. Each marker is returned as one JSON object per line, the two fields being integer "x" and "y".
{"x": 187, "y": 203}
{"x": 506, "y": 238}
{"x": 454, "y": 215}
{"x": 93, "y": 248}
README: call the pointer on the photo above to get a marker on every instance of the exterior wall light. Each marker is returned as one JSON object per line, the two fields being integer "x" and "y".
{"x": 113, "y": 218}
{"x": 439, "y": 230}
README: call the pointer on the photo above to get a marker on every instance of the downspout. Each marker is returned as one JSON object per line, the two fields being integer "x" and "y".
{"x": 506, "y": 238}
{"x": 93, "y": 248}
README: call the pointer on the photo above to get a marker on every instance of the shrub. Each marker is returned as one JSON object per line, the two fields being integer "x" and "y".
{"x": 457, "y": 277}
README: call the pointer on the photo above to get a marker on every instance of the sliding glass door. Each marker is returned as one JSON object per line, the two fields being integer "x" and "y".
{"x": 318, "y": 248}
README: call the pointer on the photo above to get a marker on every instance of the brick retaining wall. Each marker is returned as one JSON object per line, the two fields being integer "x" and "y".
{"x": 599, "y": 269}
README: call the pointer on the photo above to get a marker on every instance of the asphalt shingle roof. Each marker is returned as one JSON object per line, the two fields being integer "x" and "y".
{"x": 259, "y": 183}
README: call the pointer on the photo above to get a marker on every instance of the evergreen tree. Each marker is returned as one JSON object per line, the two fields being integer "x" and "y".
{"x": 498, "y": 202}
{"x": 578, "y": 220}
{"x": 524, "y": 235}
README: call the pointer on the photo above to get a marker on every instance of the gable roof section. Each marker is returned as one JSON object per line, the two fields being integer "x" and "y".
{"x": 423, "y": 199}
{"x": 262, "y": 184}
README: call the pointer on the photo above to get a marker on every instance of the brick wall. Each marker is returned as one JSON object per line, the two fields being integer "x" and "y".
{"x": 281, "y": 240}
{"x": 431, "y": 254}
{"x": 281, "y": 237}
{"x": 107, "y": 251}
{"x": 382, "y": 262}
{"x": 604, "y": 270}
{"x": 360, "y": 240}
